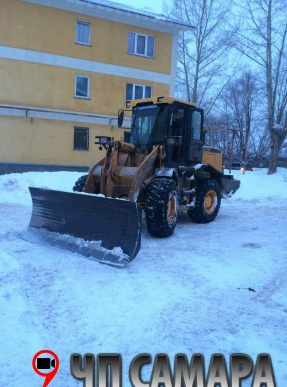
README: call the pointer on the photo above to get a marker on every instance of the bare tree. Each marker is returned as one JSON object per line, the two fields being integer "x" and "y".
{"x": 264, "y": 43}
{"x": 202, "y": 48}
{"x": 240, "y": 133}
{"x": 240, "y": 100}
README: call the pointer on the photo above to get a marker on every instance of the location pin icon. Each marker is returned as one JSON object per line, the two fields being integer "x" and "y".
{"x": 53, "y": 364}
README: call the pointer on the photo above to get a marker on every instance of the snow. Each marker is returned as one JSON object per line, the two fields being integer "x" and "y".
{"x": 136, "y": 9}
{"x": 259, "y": 186}
{"x": 190, "y": 293}
{"x": 90, "y": 249}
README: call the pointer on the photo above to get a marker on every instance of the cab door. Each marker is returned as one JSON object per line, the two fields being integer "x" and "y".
{"x": 194, "y": 135}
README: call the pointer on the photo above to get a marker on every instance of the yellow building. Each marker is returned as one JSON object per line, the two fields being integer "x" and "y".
{"x": 67, "y": 67}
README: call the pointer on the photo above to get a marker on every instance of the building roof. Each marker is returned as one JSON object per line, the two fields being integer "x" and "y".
{"x": 138, "y": 12}
{"x": 118, "y": 12}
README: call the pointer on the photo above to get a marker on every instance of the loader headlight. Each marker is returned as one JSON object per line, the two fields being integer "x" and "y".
{"x": 160, "y": 99}
{"x": 102, "y": 140}
{"x": 128, "y": 104}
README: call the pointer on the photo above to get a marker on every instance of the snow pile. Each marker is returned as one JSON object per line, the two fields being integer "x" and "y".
{"x": 254, "y": 184}
{"x": 258, "y": 185}
{"x": 14, "y": 186}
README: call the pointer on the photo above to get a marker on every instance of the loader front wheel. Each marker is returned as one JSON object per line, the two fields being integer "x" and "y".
{"x": 80, "y": 183}
{"x": 207, "y": 204}
{"x": 161, "y": 207}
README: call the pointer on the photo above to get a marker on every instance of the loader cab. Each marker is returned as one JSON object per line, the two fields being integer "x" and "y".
{"x": 185, "y": 139}
{"x": 177, "y": 126}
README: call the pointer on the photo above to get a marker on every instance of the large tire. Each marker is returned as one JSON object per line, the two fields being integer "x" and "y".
{"x": 161, "y": 207}
{"x": 80, "y": 183}
{"x": 207, "y": 203}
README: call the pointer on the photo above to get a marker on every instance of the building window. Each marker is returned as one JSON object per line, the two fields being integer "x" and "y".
{"x": 82, "y": 86}
{"x": 83, "y": 32}
{"x": 81, "y": 138}
{"x": 134, "y": 91}
{"x": 139, "y": 44}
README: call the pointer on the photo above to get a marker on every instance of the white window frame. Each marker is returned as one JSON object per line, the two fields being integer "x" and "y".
{"x": 134, "y": 89}
{"x": 88, "y": 87}
{"x": 81, "y": 23}
{"x": 135, "y": 48}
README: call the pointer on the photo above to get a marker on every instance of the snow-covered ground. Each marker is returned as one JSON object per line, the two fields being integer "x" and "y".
{"x": 215, "y": 288}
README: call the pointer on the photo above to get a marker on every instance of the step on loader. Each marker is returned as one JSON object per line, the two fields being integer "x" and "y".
{"x": 162, "y": 166}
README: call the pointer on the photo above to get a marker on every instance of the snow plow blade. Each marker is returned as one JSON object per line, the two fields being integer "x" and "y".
{"x": 110, "y": 229}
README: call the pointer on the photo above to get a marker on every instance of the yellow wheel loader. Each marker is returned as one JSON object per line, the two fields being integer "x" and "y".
{"x": 162, "y": 166}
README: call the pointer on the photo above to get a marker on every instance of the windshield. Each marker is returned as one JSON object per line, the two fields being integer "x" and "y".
{"x": 149, "y": 125}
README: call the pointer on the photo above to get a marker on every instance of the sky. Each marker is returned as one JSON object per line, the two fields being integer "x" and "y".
{"x": 154, "y": 6}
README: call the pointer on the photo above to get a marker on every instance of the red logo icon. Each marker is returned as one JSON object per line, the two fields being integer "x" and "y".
{"x": 48, "y": 362}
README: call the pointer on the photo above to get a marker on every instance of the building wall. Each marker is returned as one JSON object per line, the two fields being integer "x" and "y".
{"x": 39, "y": 60}
{"x": 45, "y": 140}
{"x": 44, "y": 29}
{"x": 39, "y": 85}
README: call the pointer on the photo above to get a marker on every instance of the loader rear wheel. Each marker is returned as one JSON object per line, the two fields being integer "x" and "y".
{"x": 80, "y": 183}
{"x": 161, "y": 207}
{"x": 207, "y": 204}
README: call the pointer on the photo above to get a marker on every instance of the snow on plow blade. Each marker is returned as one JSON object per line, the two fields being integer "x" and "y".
{"x": 110, "y": 229}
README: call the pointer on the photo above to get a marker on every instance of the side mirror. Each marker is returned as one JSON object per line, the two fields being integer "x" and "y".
{"x": 121, "y": 115}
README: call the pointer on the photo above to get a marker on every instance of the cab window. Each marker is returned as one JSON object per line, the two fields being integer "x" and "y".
{"x": 177, "y": 121}
{"x": 195, "y": 127}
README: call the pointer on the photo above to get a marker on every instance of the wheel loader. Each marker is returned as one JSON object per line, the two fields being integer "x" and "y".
{"x": 160, "y": 167}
